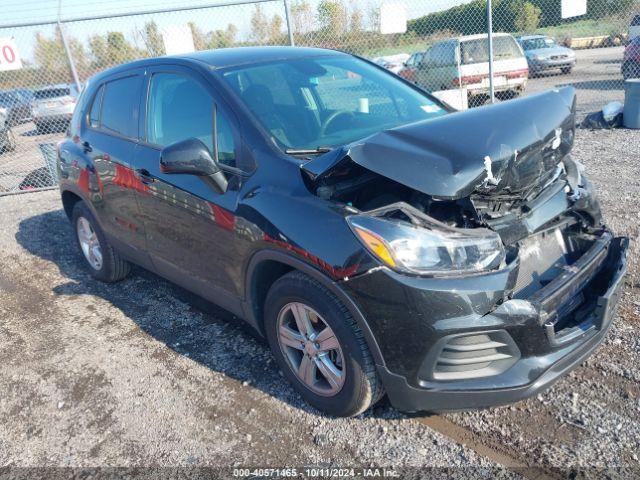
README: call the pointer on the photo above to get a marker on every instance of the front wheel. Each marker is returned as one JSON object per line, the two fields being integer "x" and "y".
{"x": 104, "y": 262}
{"x": 319, "y": 347}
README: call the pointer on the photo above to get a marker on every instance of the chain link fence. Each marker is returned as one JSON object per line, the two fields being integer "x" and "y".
{"x": 444, "y": 49}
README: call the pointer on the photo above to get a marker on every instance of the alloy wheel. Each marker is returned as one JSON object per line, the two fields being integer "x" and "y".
{"x": 311, "y": 349}
{"x": 89, "y": 243}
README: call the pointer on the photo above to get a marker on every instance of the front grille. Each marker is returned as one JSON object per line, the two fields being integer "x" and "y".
{"x": 559, "y": 57}
{"x": 472, "y": 355}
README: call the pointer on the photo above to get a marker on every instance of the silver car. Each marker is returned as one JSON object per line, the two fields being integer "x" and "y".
{"x": 543, "y": 54}
{"x": 53, "y": 107}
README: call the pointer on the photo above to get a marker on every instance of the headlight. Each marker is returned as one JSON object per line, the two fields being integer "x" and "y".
{"x": 429, "y": 248}
{"x": 539, "y": 57}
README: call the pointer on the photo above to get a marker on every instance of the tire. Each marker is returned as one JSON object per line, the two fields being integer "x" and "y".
{"x": 112, "y": 267}
{"x": 361, "y": 386}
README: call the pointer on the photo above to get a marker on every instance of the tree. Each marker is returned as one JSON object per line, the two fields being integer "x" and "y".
{"x": 119, "y": 50}
{"x": 153, "y": 40}
{"x": 332, "y": 16}
{"x": 51, "y": 56}
{"x": 259, "y": 26}
{"x": 99, "y": 51}
{"x": 223, "y": 38}
{"x": 301, "y": 17}
{"x": 527, "y": 16}
{"x": 199, "y": 39}
{"x": 275, "y": 29}
{"x": 356, "y": 20}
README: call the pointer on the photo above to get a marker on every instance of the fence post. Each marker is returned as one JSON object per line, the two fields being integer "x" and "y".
{"x": 287, "y": 15}
{"x": 492, "y": 92}
{"x": 67, "y": 50}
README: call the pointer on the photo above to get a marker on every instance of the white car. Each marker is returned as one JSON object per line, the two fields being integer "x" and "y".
{"x": 7, "y": 140}
{"x": 463, "y": 63}
{"x": 53, "y": 107}
{"x": 393, "y": 63}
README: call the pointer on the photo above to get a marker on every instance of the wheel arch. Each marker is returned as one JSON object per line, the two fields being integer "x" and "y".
{"x": 69, "y": 200}
{"x": 267, "y": 266}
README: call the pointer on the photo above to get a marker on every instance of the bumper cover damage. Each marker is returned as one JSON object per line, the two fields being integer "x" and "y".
{"x": 458, "y": 341}
{"x": 542, "y": 348}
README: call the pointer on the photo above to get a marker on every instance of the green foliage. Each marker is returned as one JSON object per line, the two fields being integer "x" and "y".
{"x": 50, "y": 56}
{"x": 527, "y": 17}
{"x": 511, "y": 15}
{"x": 333, "y": 18}
{"x": 153, "y": 40}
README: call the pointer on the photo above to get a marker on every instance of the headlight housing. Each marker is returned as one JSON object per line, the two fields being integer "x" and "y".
{"x": 430, "y": 247}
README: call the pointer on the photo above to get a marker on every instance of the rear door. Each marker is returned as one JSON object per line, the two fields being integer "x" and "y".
{"x": 190, "y": 222}
{"x": 109, "y": 139}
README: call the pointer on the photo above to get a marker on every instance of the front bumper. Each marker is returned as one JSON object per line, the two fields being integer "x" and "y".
{"x": 542, "y": 65}
{"x": 411, "y": 317}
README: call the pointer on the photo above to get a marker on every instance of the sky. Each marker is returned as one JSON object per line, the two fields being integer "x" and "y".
{"x": 24, "y": 11}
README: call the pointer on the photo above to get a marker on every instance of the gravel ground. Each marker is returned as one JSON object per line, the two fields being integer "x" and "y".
{"x": 592, "y": 417}
{"x": 144, "y": 373}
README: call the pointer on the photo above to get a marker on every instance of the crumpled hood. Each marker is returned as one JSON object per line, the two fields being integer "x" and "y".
{"x": 507, "y": 147}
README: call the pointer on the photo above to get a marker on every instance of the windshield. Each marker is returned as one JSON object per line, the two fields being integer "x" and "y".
{"x": 538, "y": 43}
{"x": 328, "y": 101}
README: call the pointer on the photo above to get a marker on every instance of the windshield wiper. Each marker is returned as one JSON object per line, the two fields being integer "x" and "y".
{"x": 308, "y": 151}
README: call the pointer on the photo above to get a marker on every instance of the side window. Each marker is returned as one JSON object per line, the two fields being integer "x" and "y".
{"x": 180, "y": 108}
{"x": 96, "y": 107}
{"x": 120, "y": 101}
{"x": 226, "y": 144}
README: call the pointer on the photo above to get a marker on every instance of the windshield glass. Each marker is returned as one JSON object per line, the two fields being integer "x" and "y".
{"x": 538, "y": 43}
{"x": 326, "y": 101}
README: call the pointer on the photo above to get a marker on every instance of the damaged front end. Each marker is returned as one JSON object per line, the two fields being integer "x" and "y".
{"x": 499, "y": 266}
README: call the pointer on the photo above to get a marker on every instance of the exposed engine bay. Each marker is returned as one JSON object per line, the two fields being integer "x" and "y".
{"x": 505, "y": 168}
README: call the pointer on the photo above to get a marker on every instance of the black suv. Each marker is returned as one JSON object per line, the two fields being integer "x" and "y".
{"x": 380, "y": 241}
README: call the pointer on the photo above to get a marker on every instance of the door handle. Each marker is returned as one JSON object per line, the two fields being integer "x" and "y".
{"x": 145, "y": 176}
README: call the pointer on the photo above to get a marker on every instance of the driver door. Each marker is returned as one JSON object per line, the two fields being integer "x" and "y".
{"x": 189, "y": 220}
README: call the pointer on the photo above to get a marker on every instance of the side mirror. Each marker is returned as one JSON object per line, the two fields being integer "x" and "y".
{"x": 189, "y": 156}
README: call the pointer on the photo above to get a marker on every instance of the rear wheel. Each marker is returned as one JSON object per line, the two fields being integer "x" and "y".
{"x": 319, "y": 346}
{"x": 104, "y": 262}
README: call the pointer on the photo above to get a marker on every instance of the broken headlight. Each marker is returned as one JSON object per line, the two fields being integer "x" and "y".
{"x": 429, "y": 248}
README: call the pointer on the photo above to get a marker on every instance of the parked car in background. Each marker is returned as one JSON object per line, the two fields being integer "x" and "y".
{"x": 379, "y": 242}
{"x": 464, "y": 63}
{"x": 631, "y": 59}
{"x": 53, "y": 107}
{"x": 7, "y": 140}
{"x": 634, "y": 28}
{"x": 408, "y": 71}
{"x": 393, "y": 63}
{"x": 18, "y": 105}
{"x": 544, "y": 54}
